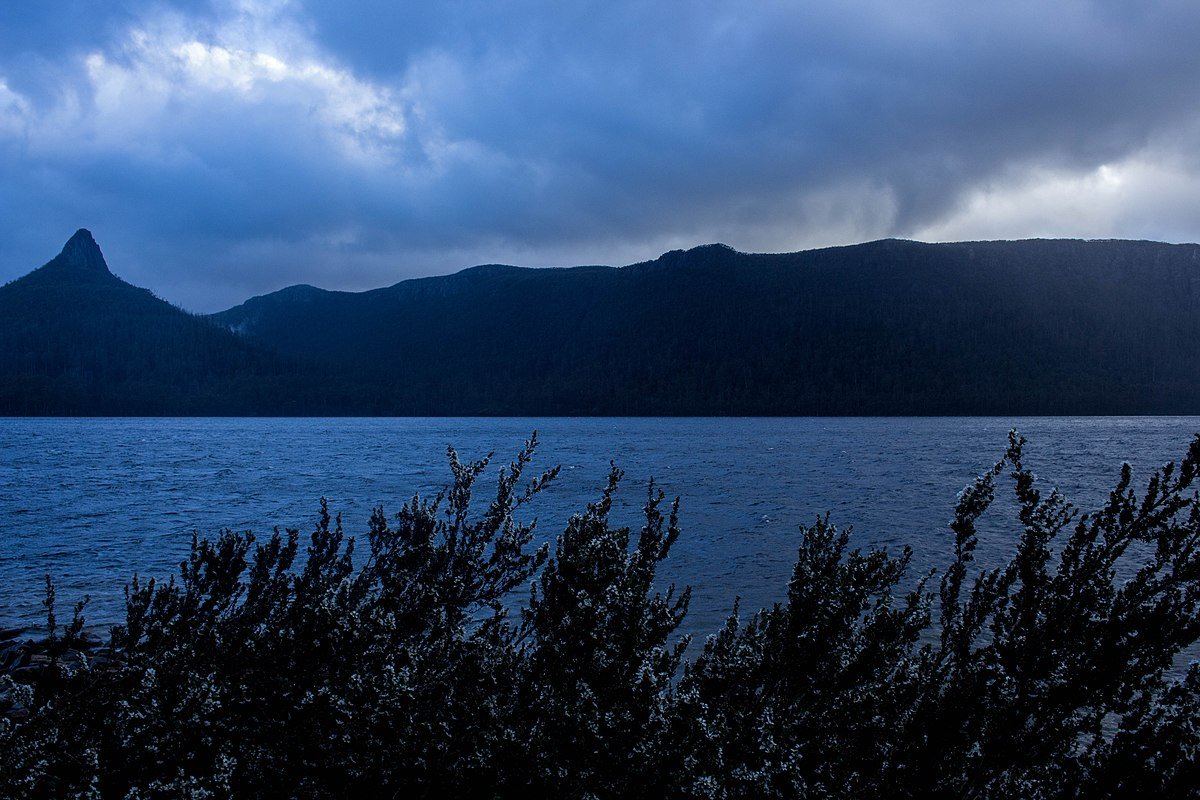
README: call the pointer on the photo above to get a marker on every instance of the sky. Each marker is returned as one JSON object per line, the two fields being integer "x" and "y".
{"x": 220, "y": 150}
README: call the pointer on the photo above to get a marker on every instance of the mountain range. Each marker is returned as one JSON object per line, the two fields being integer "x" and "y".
{"x": 886, "y": 327}
{"x": 77, "y": 340}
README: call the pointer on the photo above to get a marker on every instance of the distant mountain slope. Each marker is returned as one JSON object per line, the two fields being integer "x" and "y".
{"x": 888, "y": 327}
{"x": 75, "y": 339}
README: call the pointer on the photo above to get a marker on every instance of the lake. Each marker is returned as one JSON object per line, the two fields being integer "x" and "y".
{"x": 91, "y": 501}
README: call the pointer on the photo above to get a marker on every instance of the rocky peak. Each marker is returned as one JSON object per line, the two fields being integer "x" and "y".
{"x": 82, "y": 252}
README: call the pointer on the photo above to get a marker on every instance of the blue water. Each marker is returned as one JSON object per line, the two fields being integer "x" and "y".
{"x": 91, "y": 501}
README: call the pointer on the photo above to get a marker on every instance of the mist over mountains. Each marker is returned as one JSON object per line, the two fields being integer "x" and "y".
{"x": 886, "y": 327}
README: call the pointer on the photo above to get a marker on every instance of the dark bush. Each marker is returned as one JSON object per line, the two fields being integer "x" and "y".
{"x": 414, "y": 669}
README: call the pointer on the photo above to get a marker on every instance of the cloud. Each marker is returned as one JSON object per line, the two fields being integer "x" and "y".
{"x": 170, "y": 84}
{"x": 1156, "y": 195}
{"x": 229, "y": 148}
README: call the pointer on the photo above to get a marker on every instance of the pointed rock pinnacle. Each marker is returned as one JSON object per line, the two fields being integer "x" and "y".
{"x": 82, "y": 252}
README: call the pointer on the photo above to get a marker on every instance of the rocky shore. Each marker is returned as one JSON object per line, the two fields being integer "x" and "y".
{"x": 25, "y": 661}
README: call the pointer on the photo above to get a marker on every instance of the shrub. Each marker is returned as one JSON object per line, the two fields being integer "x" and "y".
{"x": 415, "y": 669}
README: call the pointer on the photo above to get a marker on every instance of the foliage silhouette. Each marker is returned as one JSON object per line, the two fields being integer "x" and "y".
{"x": 404, "y": 671}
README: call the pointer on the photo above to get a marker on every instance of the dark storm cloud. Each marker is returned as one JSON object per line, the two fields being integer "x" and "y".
{"x": 220, "y": 150}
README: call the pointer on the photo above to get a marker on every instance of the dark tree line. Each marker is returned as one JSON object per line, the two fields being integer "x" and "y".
{"x": 415, "y": 668}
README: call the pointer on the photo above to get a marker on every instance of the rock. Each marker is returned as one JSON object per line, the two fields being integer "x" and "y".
{"x": 82, "y": 252}
{"x": 73, "y": 660}
{"x": 87, "y": 640}
{"x": 13, "y": 658}
{"x": 11, "y": 633}
{"x": 27, "y": 675}
{"x": 105, "y": 660}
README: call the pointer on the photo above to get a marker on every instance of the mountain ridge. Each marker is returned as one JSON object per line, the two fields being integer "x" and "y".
{"x": 893, "y": 326}
{"x": 720, "y": 247}
{"x": 889, "y": 326}
{"x": 77, "y": 340}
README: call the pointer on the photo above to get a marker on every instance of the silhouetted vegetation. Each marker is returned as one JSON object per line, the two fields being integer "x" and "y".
{"x": 419, "y": 667}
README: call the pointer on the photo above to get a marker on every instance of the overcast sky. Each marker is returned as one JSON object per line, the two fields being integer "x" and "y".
{"x": 224, "y": 149}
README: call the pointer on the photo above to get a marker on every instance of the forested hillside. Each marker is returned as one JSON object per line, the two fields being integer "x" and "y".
{"x": 75, "y": 339}
{"x": 889, "y": 327}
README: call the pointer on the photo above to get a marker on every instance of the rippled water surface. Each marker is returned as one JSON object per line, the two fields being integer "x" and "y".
{"x": 91, "y": 501}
